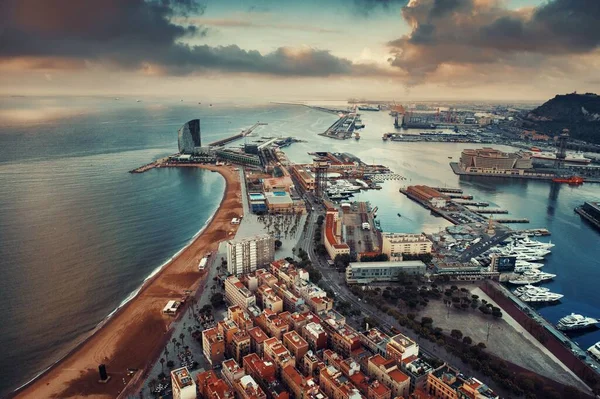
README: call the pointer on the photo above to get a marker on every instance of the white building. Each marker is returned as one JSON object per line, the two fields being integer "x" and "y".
{"x": 396, "y": 244}
{"x": 183, "y": 384}
{"x": 248, "y": 254}
{"x": 368, "y": 272}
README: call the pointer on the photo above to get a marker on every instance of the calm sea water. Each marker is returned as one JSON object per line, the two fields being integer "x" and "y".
{"x": 78, "y": 234}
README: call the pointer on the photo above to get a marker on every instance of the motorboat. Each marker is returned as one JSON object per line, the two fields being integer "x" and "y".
{"x": 524, "y": 280}
{"x": 575, "y": 322}
{"x": 531, "y": 293}
{"x": 539, "y": 274}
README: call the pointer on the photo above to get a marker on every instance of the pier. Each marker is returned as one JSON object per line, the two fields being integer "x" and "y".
{"x": 343, "y": 128}
{"x": 516, "y": 220}
{"x": 448, "y": 190}
{"x": 230, "y": 139}
{"x": 472, "y": 203}
{"x": 534, "y": 232}
{"x": 458, "y": 196}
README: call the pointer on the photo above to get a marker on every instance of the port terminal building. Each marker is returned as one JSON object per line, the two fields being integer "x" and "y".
{"x": 489, "y": 160}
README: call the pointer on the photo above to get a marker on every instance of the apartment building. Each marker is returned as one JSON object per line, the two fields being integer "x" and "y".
{"x": 183, "y": 384}
{"x": 212, "y": 387}
{"x": 248, "y": 254}
{"x": 213, "y": 346}
{"x": 386, "y": 371}
{"x": 236, "y": 293}
{"x": 401, "y": 347}
{"x": 296, "y": 345}
{"x": 276, "y": 352}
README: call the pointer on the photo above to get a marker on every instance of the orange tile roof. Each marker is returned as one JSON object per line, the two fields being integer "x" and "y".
{"x": 398, "y": 375}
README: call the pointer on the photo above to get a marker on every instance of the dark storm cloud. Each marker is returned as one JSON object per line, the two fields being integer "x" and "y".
{"x": 137, "y": 34}
{"x": 467, "y": 32}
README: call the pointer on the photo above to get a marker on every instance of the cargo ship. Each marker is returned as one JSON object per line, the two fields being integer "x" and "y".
{"x": 367, "y": 108}
{"x": 575, "y": 180}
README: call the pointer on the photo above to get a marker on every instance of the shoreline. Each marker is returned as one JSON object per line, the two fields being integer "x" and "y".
{"x": 130, "y": 335}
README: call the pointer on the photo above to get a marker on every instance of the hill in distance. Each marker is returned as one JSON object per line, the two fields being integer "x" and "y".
{"x": 580, "y": 113}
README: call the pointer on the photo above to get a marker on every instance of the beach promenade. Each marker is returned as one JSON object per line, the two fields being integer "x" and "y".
{"x": 135, "y": 334}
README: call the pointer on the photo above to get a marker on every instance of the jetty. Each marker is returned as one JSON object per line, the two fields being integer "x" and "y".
{"x": 230, "y": 139}
{"x": 448, "y": 190}
{"x": 515, "y": 220}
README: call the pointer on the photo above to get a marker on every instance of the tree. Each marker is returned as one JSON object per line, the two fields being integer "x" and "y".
{"x": 481, "y": 345}
{"x": 278, "y": 244}
{"x": 216, "y": 299}
{"x": 162, "y": 364}
{"x": 467, "y": 340}
{"x": 457, "y": 334}
{"x": 181, "y": 337}
{"x": 166, "y": 352}
{"x": 426, "y": 321}
{"x": 170, "y": 364}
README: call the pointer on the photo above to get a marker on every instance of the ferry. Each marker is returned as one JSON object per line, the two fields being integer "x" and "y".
{"x": 575, "y": 322}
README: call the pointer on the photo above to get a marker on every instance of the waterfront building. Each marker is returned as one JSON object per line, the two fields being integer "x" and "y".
{"x": 400, "y": 347}
{"x": 333, "y": 234}
{"x": 428, "y": 195}
{"x": 283, "y": 183}
{"x": 212, "y": 387}
{"x": 304, "y": 177}
{"x": 213, "y": 346}
{"x": 248, "y": 254}
{"x": 368, "y": 272}
{"x": 489, "y": 160}
{"x": 238, "y": 157}
{"x": 386, "y": 371}
{"x": 188, "y": 137}
{"x": 396, "y": 244}
{"x": 236, "y": 293}
{"x": 183, "y": 384}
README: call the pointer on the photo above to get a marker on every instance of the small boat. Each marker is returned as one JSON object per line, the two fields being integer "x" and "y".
{"x": 449, "y": 157}
{"x": 399, "y": 215}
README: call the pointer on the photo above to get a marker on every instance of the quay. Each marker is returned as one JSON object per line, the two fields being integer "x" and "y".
{"x": 516, "y": 220}
{"x": 534, "y": 232}
{"x": 343, "y": 128}
{"x": 448, "y": 190}
{"x": 230, "y": 139}
{"x": 490, "y": 211}
{"x": 156, "y": 164}
{"x": 458, "y": 196}
{"x": 472, "y": 203}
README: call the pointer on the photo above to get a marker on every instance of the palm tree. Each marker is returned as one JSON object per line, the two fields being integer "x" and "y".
{"x": 190, "y": 330}
{"x": 181, "y": 337}
{"x": 166, "y": 352}
{"x": 177, "y": 345}
{"x": 174, "y": 340}
{"x": 162, "y": 364}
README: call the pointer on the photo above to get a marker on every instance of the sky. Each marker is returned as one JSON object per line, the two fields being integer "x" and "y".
{"x": 281, "y": 50}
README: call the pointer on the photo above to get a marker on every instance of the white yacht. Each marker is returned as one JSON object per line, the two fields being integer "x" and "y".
{"x": 530, "y": 293}
{"x": 539, "y": 274}
{"x": 594, "y": 350}
{"x": 530, "y": 265}
{"x": 575, "y": 322}
{"x": 524, "y": 280}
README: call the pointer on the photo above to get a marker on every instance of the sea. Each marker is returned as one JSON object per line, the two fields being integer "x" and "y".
{"x": 79, "y": 234}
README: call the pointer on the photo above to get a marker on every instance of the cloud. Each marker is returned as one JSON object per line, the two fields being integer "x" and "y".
{"x": 144, "y": 35}
{"x": 459, "y": 33}
{"x": 247, "y": 23}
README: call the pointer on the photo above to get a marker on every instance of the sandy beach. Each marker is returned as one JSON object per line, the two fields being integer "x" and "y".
{"x": 136, "y": 333}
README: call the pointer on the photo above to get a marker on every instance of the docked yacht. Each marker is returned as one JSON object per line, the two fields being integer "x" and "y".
{"x": 575, "y": 322}
{"x": 539, "y": 274}
{"x": 594, "y": 350}
{"x": 531, "y": 293}
{"x": 529, "y": 265}
{"x": 524, "y": 280}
